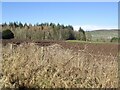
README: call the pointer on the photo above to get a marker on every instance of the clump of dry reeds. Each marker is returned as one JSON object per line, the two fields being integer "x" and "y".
{"x": 29, "y": 65}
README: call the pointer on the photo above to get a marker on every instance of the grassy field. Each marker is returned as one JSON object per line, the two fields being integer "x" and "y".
{"x": 103, "y": 35}
{"x": 94, "y": 42}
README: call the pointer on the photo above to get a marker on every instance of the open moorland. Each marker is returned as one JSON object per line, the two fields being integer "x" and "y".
{"x": 49, "y": 55}
{"x": 59, "y": 45}
{"x": 59, "y": 64}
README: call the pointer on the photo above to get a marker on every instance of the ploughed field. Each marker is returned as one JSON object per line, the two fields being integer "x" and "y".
{"x": 93, "y": 48}
{"x": 58, "y": 64}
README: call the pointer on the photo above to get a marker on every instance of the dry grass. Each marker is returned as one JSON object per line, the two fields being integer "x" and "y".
{"x": 53, "y": 66}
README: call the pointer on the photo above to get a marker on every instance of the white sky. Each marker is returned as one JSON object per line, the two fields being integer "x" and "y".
{"x": 93, "y": 27}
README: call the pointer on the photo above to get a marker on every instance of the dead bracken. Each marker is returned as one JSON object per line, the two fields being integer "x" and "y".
{"x": 59, "y": 64}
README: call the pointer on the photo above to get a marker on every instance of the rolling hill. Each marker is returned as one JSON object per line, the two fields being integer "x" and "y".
{"x": 103, "y": 35}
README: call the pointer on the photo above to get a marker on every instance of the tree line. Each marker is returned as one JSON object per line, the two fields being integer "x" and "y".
{"x": 115, "y": 39}
{"x": 43, "y": 31}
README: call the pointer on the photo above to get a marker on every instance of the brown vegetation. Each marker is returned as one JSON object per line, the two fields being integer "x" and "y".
{"x": 59, "y": 64}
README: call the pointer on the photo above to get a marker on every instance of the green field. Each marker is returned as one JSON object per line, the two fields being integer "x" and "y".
{"x": 103, "y": 35}
{"x": 78, "y": 41}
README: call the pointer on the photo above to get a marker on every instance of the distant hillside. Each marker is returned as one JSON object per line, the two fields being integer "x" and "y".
{"x": 106, "y": 30}
{"x": 103, "y": 35}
